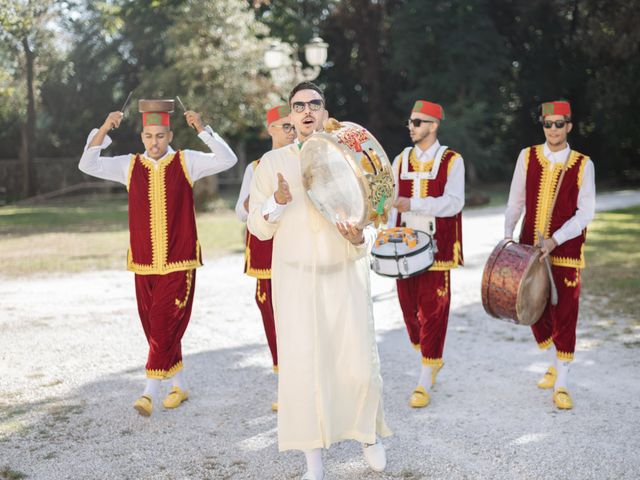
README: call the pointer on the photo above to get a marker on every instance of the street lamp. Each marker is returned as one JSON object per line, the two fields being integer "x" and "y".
{"x": 281, "y": 58}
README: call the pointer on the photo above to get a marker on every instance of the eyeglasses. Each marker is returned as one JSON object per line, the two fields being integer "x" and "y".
{"x": 558, "y": 123}
{"x": 314, "y": 105}
{"x": 286, "y": 127}
{"x": 416, "y": 122}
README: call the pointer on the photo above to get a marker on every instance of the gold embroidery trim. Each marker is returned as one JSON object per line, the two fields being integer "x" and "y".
{"x": 183, "y": 163}
{"x": 188, "y": 279}
{"x": 262, "y": 296}
{"x": 546, "y": 344}
{"x": 260, "y": 273}
{"x": 573, "y": 283}
{"x": 130, "y": 172}
{"x": 565, "y": 356}
{"x": 440, "y": 265}
{"x": 442, "y": 292}
{"x": 159, "y": 374}
{"x": 426, "y": 361}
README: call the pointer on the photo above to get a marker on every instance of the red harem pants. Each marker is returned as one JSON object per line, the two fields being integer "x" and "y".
{"x": 164, "y": 305}
{"x": 557, "y": 324}
{"x": 424, "y": 300}
{"x": 263, "y": 299}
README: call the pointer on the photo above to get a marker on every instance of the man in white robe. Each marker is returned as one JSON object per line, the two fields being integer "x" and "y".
{"x": 329, "y": 388}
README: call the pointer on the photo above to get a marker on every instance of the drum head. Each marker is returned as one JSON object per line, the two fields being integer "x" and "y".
{"x": 332, "y": 183}
{"x": 533, "y": 293}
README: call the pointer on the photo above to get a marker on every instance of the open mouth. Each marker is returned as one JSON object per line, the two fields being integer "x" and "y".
{"x": 308, "y": 121}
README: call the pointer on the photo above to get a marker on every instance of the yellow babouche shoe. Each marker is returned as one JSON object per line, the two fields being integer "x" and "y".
{"x": 144, "y": 405}
{"x": 419, "y": 397}
{"x": 274, "y": 407}
{"x": 562, "y": 399}
{"x": 175, "y": 398}
{"x": 549, "y": 379}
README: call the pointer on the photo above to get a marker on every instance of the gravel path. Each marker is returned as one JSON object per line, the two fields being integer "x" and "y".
{"x": 72, "y": 357}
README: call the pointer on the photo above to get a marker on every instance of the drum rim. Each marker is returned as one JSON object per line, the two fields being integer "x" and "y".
{"x": 408, "y": 254}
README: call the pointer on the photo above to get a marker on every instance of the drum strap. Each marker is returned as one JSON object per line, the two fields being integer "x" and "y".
{"x": 555, "y": 193}
{"x": 405, "y": 174}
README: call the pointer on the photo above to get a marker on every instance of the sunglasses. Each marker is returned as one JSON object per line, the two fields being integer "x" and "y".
{"x": 286, "y": 127}
{"x": 557, "y": 123}
{"x": 314, "y": 105}
{"x": 416, "y": 122}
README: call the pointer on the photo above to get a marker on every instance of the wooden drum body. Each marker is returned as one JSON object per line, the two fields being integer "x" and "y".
{"x": 515, "y": 284}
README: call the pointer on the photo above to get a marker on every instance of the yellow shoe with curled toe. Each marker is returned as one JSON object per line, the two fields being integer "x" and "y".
{"x": 549, "y": 379}
{"x": 144, "y": 405}
{"x": 562, "y": 399}
{"x": 419, "y": 398}
{"x": 175, "y": 398}
{"x": 274, "y": 407}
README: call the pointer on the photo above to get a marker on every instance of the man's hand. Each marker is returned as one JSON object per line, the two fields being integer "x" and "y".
{"x": 282, "y": 195}
{"x": 194, "y": 120}
{"x": 113, "y": 121}
{"x": 403, "y": 204}
{"x": 351, "y": 232}
{"x": 547, "y": 247}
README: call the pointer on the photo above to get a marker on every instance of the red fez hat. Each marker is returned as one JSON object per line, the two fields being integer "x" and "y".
{"x": 556, "y": 108}
{"x": 276, "y": 113}
{"x": 429, "y": 108}
{"x": 155, "y": 112}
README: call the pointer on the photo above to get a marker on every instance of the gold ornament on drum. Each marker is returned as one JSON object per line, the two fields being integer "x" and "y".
{"x": 347, "y": 174}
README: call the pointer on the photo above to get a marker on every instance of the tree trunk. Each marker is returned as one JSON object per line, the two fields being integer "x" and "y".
{"x": 29, "y": 187}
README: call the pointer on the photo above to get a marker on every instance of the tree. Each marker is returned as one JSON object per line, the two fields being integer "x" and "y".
{"x": 24, "y": 27}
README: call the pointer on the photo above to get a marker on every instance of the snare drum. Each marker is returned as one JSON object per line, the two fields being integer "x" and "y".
{"x": 347, "y": 175}
{"x": 402, "y": 252}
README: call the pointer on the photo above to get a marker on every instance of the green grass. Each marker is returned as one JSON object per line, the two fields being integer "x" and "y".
{"x": 10, "y": 474}
{"x": 613, "y": 260}
{"x": 91, "y": 233}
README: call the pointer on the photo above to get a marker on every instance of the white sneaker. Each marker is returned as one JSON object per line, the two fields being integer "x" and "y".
{"x": 311, "y": 476}
{"x": 375, "y": 456}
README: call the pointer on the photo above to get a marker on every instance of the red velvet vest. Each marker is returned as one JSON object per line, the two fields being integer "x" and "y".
{"x": 541, "y": 183}
{"x": 448, "y": 234}
{"x": 162, "y": 222}
{"x": 257, "y": 254}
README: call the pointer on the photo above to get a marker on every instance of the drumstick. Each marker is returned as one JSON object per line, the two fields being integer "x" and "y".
{"x": 184, "y": 109}
{"x": 547, "y": 263}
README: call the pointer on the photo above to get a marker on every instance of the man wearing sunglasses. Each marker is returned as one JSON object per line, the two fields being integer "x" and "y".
{"x": 430, "y": 179}
{"x": 555, "y": 187}
{"x": 329, "y": 383}
{"x": 257, "y": 259}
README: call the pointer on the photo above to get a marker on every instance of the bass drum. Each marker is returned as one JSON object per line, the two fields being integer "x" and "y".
{"x": 515, "y": 284}
{"x": 347, "y": 175}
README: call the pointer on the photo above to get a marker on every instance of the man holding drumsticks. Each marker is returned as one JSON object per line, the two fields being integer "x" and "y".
{"x": 555, "y": 187}
{"x": 164, "y": 250}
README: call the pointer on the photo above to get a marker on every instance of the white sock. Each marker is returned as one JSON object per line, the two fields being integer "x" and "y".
{"x": 553, "y": 357}
{"x": 314, "y": 462}
{"x": 151, "y": 388}
{"x": 563, "y": 374}
{"x": 178, "y": 380}
{"x": 425, "y": 377}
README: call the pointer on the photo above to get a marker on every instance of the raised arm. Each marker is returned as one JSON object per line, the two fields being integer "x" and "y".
{"x": 107, "y": 168}
{"x": 201, "y": 164}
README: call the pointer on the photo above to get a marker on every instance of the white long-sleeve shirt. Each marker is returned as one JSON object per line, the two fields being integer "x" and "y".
{"x": 450, "y": 202}
{"x": 199, "y": 164}
{"x": 586, "y": 197}
{"x": 245, "y": 188}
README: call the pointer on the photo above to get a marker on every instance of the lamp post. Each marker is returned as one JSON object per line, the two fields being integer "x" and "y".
{"x": 281, "y": 59}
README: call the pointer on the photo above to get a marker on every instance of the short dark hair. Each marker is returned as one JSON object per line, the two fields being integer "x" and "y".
{"x": 306, "y": 86}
